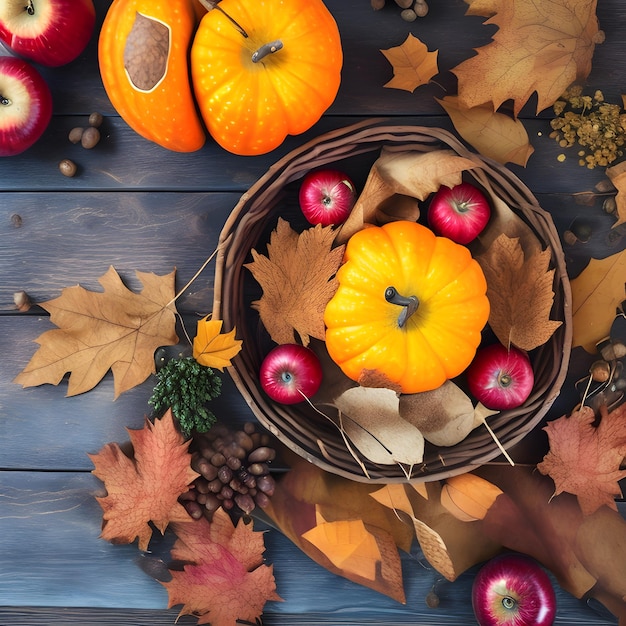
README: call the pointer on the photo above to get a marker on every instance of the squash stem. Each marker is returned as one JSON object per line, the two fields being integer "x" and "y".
{"x": 209, "y": 5}
{"x": 266, "y": 49}
{"x": 409, "y": 304}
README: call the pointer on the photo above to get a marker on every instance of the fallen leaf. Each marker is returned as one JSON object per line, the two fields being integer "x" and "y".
{"x": 492, "y": 134}
{"x": 297, "y": 278}
{"x": 370, "y": 418}
{"x": 483, "y": 8}
{"x": 520, "y": 293}
{"x": 585, "y": 459}
{"x": 403, "y": 174}
{"x": 468, "y": 497}
{"x": 413, "y": 65}
{"x": 213, "y": 348}
{"x": 596, "y": 294}
{"x": 116, "y": 329}
{"x": 224, "y": 578}
{"x": 540, "y": 47}
{"x": 617, "y": 175}
{"x": 146, "y": 487}
{"x": 394, "y": 496}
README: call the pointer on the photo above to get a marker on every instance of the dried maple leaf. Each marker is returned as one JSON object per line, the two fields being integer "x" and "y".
{"x": 493, "y": 134}
{"x": 116, "y": 329}
{"x": 520, "y": 293}
{"x": 400, "y": 175}
{"x": 617, "y": 174}
{"x": 584, "y": 459}
{"x": 413, "y": 65}
{"x": 596, "y": 293}
{"x": 213, "y": 348}
{"x": 297, "y": 277}
{"x": 224, "y": 579}
{"x": 539, "y": 47}
{"x": 144, "y": 488}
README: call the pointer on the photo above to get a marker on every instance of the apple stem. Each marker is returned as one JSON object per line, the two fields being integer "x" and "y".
{"x": 409, "y": 305}
{"x": 266, "y": 49}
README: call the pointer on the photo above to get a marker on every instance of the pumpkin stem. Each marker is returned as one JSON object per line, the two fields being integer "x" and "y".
{"x": 265, "y": 49}
{"x": 409, "y": 305}
{"x": 209, "y": 5}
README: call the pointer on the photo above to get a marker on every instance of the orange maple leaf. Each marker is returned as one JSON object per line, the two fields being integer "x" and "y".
{"x": 585, "y": 459}
{"x": 211, "y": 347}
{"x": 116, "y": 329}
{"x": 413, "y": 65}
{"x": 539, "y": 47}
{"x": 144, "y": 488}
{"x": 224, "y": 579}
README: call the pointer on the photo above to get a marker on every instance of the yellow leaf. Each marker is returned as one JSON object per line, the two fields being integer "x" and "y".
{"x": 493, "y": 134}
{"x": 468, "y": 497}
{"x": 617, "y": 175}
{"x": 394, "y": 496}
{"x": 596, "y": 293}
{"x": 413, "y": 65}
{"x": 115, "y": 329}
{"x": 213, "y": 348}
{"x": 348, "y": 544}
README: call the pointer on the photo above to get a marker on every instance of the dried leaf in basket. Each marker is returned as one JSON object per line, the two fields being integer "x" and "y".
{"x": 398, "y": 175}
{"x": 596, "y": 293}
{"x": 493, "y": 134}
{"x": 585, "y": 459}
{"x": 413, "y": 65}
{"x": 521, "y": 59}
{"x": 297, "y": 278}
{"x": 520, "y": 293}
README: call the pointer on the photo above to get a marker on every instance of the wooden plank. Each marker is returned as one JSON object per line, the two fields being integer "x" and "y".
{"x": 52, "y": 557}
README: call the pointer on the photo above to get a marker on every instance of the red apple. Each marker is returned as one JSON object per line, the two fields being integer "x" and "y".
{"x": 25, "y": 105}
{"x": 499, "y": 377}
{"x": 327, "y": 197}
{"x": 459, "y": 213}
{"x": 49, "y": 32}
{"x": 290, "y": 373}
{"x": 513, "y": 590}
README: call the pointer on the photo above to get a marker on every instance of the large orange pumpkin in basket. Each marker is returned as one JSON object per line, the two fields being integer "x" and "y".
{"x": 410, "y": 307}
{"x": 265, "y": 69}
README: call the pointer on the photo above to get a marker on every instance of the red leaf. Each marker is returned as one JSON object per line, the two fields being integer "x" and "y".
{"x": 146, "y": 487}
{"x": 225, "y": 579}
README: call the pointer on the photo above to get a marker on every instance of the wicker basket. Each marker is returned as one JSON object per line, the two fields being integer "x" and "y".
{"x": 297, "y": 426}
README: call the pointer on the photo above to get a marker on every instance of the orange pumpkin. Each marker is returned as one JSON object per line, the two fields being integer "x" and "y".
{"x": 143, "y": 56}
{"x": 410, "y": 306}
{"x": 265, "y": 69}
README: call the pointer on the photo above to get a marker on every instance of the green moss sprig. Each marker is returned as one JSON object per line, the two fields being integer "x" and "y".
{"x": 185, "y": 386}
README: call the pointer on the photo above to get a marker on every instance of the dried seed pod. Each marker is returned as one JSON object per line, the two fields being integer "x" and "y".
{"x": 75, "y": 135}
{"x": 90, "y": 138}
{"x": 245, "y": 503}
{"x": 68, "y": 168}
{"x": 262, "y": 455}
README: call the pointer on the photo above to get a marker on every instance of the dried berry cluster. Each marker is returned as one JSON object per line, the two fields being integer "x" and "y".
{"x": 599, "y": 128}
{"x": 234, "y": 471}
{"x": 411, "y": 9}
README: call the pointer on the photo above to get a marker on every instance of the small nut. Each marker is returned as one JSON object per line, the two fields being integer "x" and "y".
{"x": 67, "y": 168}
{"x": 421, "y": 8}
{"x": 96, "y": 119}
{"x": 408, "y": 15}
{"x": 22, "y": 301}
{"x": 610, "y": 205}
{"x": 76, "y": 134}
{"x": 90, "y": 138}
{"x": 600, "y": 371}
{"x": 404, "y": 4}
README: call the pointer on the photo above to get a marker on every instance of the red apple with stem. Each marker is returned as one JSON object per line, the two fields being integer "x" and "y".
{"x": 290, "y": 373}
{"x": 326, "y": 197}
{"x": 25, "y": 105}
{"x": 459, "y": 213}
{"x": 513, "y": 590}
{"x": 49, "y": 32}
{"x": 500, "y": 377}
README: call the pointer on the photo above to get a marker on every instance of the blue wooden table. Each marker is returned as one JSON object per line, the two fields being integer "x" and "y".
{"x": 136, "y": 206}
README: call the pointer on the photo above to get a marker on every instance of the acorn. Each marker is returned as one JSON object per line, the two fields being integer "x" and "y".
{"x": 68, "y": 168}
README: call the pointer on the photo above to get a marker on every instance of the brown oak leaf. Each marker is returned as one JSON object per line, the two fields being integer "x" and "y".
{"x": 297, "y": 278}
{"x": 413, "y": 65}
{"x": 520, "y": 293}
{"x": 224, "y": 579}
{"x": 115, "y": 329}
{"x": 146, "y": 487}
{"x": 584, "y": 459}
{"x": 540, "y": 47}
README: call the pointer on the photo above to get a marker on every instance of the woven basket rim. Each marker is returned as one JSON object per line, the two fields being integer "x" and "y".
{"x": 257, "y": 205}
